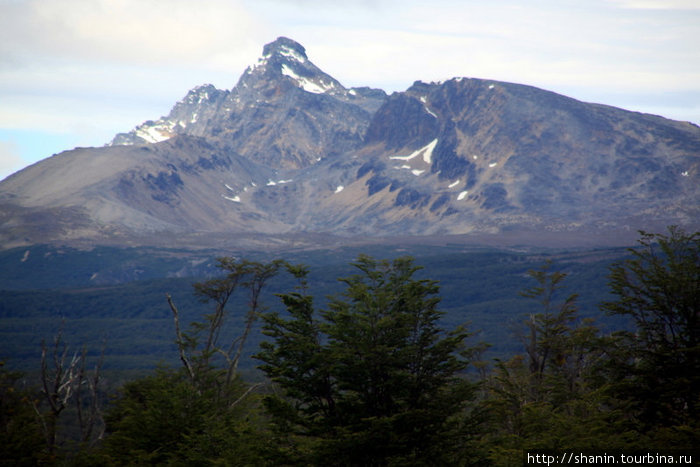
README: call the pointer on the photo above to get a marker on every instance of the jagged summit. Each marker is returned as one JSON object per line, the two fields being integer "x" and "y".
{"x": 282, "y": 78}
{"x": 284, "y": 112}
{"x": 184, "y": 118}
{"x": 200, "y": 93}
{"x": 308, "y": 114}
{"x": 287, "y": 47}
{"x": 285, "y": 61}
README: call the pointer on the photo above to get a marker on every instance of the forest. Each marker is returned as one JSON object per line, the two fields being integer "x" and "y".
{"x": 374, "y": 374}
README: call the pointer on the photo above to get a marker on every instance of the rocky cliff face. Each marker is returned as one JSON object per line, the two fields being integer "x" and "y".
{"x": 284, "y": 112}
{"x": 473, "y": 154}
{"x": 289, "y": 150}
{"x": 189, "y": 116}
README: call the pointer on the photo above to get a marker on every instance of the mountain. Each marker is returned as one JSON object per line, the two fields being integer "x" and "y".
{"x": 472, "y": 155}
{"x": 291, "y": 155}
{"x": 284, "y": 112}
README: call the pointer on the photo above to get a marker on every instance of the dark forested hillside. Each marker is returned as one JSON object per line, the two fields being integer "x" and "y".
{"x": 119, "y": 294}
{"x": 363, "y": 362}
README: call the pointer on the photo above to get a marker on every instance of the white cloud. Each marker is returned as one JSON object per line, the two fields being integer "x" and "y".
{"x": 549, "y": 44}
{"x": 64, "y": 96}
{"x": 658, "y": 4}
{"x": 210, "y": 33}
{"x": 111, "y": 64}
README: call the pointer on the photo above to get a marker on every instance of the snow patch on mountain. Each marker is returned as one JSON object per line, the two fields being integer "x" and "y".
{"x": 155, "y": 132}
{"x": 426, "y": 151}
{"x": 291, "y": 53}
{"x": 306, "y": 84}
{"x": 183, "y": 115}
{"x": 278, "y": 182}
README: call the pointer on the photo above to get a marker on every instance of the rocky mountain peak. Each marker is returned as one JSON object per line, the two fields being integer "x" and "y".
{"x": 185, "y": 117}
{"x": 200, "y": 94}
{"x": 286, "y": 113}
{"x": 285, "y": 62}
{"x": 285, "y": 47}
{"x": 281, "y": 77}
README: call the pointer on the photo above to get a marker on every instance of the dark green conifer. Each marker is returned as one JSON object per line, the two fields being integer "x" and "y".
{"x": 373, "y": 379}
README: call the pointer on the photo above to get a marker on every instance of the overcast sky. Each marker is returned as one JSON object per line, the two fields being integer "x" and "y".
{"x": 76, "y": 72}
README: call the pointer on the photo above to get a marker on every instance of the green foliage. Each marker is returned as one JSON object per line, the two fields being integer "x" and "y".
{"x": 559, "y": 347}
{"x": 202, "y": 414}
{"x": 543, "y": 400}
{"x": 657, "y": 365}
{"x": 22, "y": 441}
{"x": 164, "y": 419}
{"x": 575, "y": 389}
{"x": 377, "y": 372}
{"x": 372, "y": 380}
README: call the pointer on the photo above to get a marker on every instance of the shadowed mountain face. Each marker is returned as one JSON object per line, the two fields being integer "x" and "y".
{"x": 290, "y": 151}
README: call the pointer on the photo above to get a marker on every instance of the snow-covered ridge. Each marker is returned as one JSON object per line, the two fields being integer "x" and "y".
{"x": 156, "y": 132}
{"x": 185, "y": 112}
{"x": 198, "y": 95}
{"x": 306, "y": 84}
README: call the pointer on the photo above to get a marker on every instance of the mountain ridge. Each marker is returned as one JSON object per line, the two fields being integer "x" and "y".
{"x": 290, "y": 151}
{"x": 271, "y": 89}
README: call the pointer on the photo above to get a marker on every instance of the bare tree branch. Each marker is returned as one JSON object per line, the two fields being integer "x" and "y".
{"x": 180, "y": 341}
{"x": 243, "y": 396}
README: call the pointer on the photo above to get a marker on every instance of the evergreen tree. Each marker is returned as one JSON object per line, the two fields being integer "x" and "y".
{"x": 544, "y": 399}
{"x": 373, "y": 379}
{"x": 164, "y": 419}
{"x": 22, "y": 441}
{"x": 656, "y": 366}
